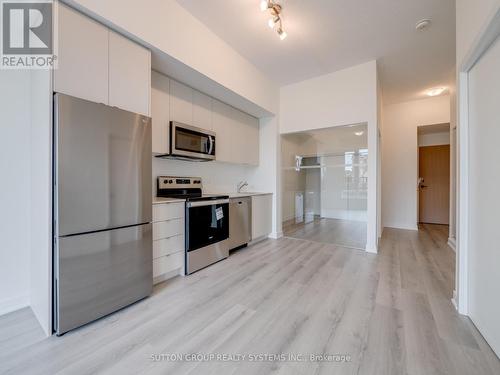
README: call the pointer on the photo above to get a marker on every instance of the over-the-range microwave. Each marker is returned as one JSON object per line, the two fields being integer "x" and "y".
{"x": 190, "y": 143}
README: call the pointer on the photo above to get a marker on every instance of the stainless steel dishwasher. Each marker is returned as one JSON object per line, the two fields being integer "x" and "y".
{"x": 240, "y": 222}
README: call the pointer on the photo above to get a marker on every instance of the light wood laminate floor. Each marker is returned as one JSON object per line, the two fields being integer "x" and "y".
{"x": 347, "y": 233}
{"x": 391, "y": 313}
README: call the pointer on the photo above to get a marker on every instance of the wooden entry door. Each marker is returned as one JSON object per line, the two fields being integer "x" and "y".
{"x": 434, "y": 184}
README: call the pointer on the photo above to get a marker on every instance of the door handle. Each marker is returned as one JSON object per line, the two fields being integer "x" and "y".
{"x": 210, "y": 147}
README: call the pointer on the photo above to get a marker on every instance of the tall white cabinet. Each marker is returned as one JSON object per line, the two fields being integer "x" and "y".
{"x": 97, "y": 64}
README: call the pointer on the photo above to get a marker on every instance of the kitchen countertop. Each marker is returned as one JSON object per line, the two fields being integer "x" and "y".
{"x": 158, "y": 200}
{"x": 245, "y": 194}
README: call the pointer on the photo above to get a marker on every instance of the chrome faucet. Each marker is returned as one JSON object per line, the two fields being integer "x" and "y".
{"x": 241, "y": 185}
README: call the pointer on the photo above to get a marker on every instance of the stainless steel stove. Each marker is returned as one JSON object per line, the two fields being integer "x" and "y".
{"x": 207, "y": 220}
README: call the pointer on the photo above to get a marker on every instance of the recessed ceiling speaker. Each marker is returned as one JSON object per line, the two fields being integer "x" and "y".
{"x": 423, "y": 24}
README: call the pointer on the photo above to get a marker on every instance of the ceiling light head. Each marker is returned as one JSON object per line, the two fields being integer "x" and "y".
{"x": 275, "y": 22}
{"x": 282, "y": 34}
{"x": 423, "y": 24}
{"x": 435, "y": 91}
{"x": 359, "y": 134}
{"x": 275, "y": 9}
{"x": 272, "y": 22}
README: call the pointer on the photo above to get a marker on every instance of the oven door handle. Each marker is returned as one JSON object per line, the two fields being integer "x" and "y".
{"x": 206, "y": 203}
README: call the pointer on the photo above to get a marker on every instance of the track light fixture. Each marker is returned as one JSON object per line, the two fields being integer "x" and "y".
{"x": 275, "y": 22}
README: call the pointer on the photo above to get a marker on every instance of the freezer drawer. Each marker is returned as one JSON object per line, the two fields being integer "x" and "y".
{"x": 99, "y": 273}
{"x": 240, "y": 221}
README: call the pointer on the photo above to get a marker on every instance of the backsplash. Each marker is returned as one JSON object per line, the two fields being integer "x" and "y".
{"x": 217, "y": 177}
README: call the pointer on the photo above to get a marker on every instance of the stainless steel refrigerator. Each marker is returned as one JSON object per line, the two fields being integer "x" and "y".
{"x": 102, "y": 210}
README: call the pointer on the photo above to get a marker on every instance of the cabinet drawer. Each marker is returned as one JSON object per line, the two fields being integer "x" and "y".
{"x": 168, "y": 211}
{"x": 167, "y": 246}
{"x": 165, "y": 229}
{"x": 167, "y": 263}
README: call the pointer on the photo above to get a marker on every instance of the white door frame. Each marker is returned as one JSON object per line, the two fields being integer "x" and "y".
{"x": 485, "y": 39}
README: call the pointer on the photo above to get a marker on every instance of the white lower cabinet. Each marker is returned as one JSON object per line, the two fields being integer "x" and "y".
{"x": 165, "y": 265}
{"x": 168, "y": 240}
{"x": 168, "y": 228}
{"x": 167, "y": 246}
{"x": 262, "y": 216}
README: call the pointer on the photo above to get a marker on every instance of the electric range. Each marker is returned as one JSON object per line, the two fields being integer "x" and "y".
{"x": 207, "y": 220}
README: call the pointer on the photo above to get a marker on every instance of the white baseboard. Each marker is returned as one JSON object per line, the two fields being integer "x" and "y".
{"x": 13, "y": 304}
{"x": 452, "y": 242}
{"x": 398, "y": 226}
{"x": 454, "y": 300}
{"x": 276, "y": 235}
{"x": 372, "y": 250}
{"x": 259, "y": 239}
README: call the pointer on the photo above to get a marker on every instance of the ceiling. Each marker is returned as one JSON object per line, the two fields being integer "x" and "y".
{"x": 329, "y": 35}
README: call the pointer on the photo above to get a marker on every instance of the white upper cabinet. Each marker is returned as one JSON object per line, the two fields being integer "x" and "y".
{"x": 248, "y": 134}
{"x": 202, "y": 110}
{"x": 82, "y": 57}
{"x": 237, "y": 135}
{"x": 181, "y": 103}
{"x": 225, "y": 132}
{"x": 129, "y": 75}
{"x": 160, "y": 112}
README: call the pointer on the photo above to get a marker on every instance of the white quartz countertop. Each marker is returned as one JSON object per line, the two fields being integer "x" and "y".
{"x": 244, "y": 194}
{"x": 158, "y": 200}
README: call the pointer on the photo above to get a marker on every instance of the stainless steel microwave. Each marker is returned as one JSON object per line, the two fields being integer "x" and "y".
{"x": 190, "y": 142}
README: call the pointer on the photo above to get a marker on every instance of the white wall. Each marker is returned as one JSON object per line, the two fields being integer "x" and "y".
{"x": 472, "y": 17}
{"x": 41, "y": 198}
{"x": 400, "y": 156}
{"x": 434, "y": 139}
{"x": 292, "y": 181}
{"x": 484, "y": 202}
{"x": 217, "y": 177}
{"x": 14, "y": 190}
{"x": 168, "y": 27}
{"x": 345, "y": 97}
{"x": 479, "y": 236}
{"x": 267, "y": 175}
